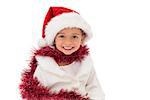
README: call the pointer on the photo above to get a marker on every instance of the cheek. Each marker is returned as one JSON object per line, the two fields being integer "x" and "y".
{"x": 78, "y": 43}
{"x": 58, "y": 43}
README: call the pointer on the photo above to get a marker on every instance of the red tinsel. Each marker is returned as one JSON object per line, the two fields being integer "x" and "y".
{"x": 30, "y": 87}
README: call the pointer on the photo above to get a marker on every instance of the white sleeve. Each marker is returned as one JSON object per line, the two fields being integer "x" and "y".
{"x": 93, "y": 87}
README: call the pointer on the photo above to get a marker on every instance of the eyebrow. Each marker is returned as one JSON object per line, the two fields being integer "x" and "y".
{"x": 72, "y": 33}
{"x": 76, "y": 33}
{"x": 60, "y": 33}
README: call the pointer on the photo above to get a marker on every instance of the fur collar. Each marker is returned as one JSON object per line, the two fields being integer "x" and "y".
{"x": 61, "y": 57}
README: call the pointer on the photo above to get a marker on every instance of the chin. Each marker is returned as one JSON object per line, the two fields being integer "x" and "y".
{"x": 67, "y": 53}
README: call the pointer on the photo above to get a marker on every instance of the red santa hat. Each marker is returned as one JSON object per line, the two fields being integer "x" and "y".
{"x": 58, "y": 18}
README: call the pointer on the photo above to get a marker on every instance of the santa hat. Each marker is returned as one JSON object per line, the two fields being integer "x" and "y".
{"x": 58, "y": 18}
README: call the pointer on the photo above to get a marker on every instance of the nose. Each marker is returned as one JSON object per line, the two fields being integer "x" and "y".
{"x": 67, "y": 41}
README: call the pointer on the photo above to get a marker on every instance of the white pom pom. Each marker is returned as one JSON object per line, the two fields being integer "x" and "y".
{"x": 42, "y": 43}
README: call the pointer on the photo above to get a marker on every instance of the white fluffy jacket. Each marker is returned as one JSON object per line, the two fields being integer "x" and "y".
{"x": 79, "y": 76}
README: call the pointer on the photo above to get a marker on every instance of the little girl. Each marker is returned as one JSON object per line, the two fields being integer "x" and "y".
{"x": 62, "y": 68}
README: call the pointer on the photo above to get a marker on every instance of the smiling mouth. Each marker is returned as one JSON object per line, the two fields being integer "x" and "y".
{"x": 68, "y": 48}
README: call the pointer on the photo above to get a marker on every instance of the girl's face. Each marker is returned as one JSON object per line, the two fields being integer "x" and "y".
{"x": 69, "y": 40}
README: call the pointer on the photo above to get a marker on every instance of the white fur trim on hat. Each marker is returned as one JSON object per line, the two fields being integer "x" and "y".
{"x": 65, "y": 20}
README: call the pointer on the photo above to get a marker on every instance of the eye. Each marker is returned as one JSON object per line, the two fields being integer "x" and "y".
{"x": 75, "y": 37}
{"x": 61, "y": 36}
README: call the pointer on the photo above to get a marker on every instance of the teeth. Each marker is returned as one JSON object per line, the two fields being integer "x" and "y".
{"x": 68, "y": 48}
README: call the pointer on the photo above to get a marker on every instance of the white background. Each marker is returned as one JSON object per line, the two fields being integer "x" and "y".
{"x": 120, "y": 47}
